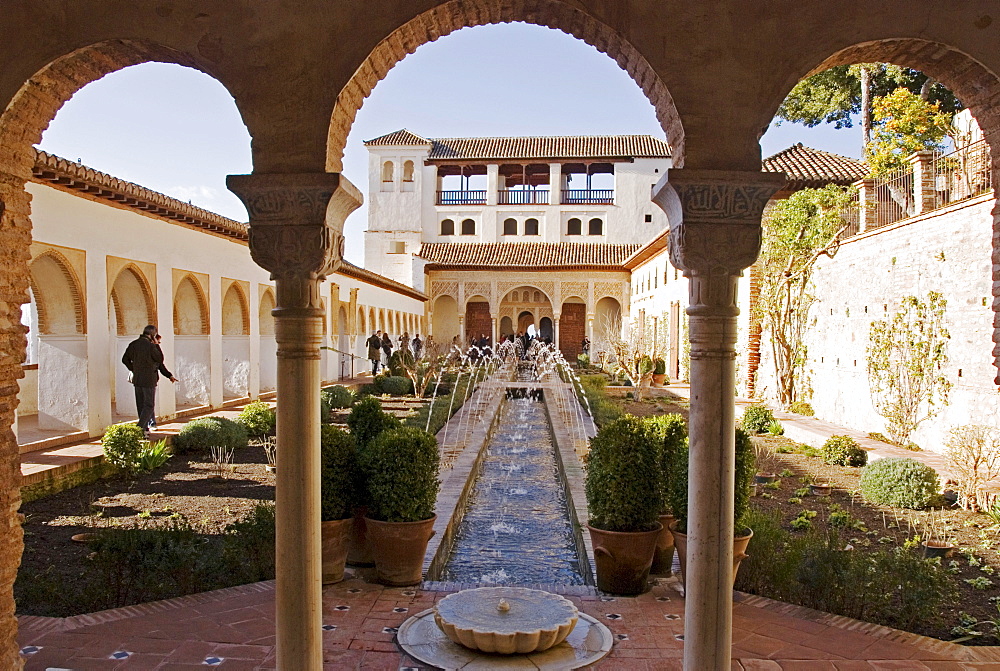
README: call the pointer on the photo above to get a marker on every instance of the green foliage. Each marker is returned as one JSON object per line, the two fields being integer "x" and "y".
{"x": 393, "y": 385}
{"x": 338, "y": 474}
{"x": 775, "y": 428}
{"x": 756, "y": 418}
{"x": 894, "y": 587}
{"x": 603, "y": 409}
{"x": 844, "y": 451}
{"x": 670, "y": 433}
{"x": 900, "y": 482}
{"x": 623, "y": 483}
{"x": 744, "y": 472}
{"x": 122, "y": 444}
{"x": 583, "y": 360}
{"x": 248, "y": 546}
{"x": 797, "y": 232}
{"x": 153, "y": 455}
{"x": 400, "y": 468}
{"x": 442, "y": 404}
{"x": 659, "y": 366}
{"x": 801, "y": 408}
{"x": 367, "y": 421}
{"x": 204, "y": 433}
{"x": 399, "y": 361}
{"x": 903, "y": 123}
{"x": 973, "y": 453}
{"x": 338, "y": 396}
{"x": 906, "y": 357}
{"x": 258, "y": 419}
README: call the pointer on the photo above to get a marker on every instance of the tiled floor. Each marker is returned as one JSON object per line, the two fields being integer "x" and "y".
{"x": 234, "y": 629}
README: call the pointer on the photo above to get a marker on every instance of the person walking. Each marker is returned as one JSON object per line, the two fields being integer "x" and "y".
{"x": 144, "y": 358}
{"x": 387, "y": 348}
{"x": 417, "y": 346}
{"x": 163, "y": 371}
{"x": 374, "y": 351}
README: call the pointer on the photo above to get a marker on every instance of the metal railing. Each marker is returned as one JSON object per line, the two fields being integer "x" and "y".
{"x": 461, "y": 197}
{"x": 963, "y": 173}
{"x": 523, "y": 197}
{"x": 588, "y": 197}
{"x": 892, "y": 199}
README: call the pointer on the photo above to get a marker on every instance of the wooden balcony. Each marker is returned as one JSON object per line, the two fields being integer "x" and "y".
{"x": 588, "y": 197}
{"x": 523, "y": 197}
{"x": 461, "y": 197}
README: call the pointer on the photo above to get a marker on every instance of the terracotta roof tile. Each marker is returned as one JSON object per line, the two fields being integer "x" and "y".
{"x": 515, "y": 148}
{"x": 526, "y": 254}
{"x": 399, "y": 138}
{"x": 808, "y": 167}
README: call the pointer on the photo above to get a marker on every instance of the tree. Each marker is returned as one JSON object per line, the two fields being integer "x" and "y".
{"x": 633, "y": 352}
{"x": 903, "y": 124}
{"x": 973, "y": 454}
{"x": 905, "y": 359}
{"x": 838, "y": 94}
{"x": 797, "y": 232}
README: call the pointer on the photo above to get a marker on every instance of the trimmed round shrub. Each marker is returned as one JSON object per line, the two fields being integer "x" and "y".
{"x": 258, "y": 419}
{"x": 900, "y": 482}
{"x": 393, "y": 385}
{"x": 208, "y": 432}
{"x": 801, "y": 408}
{"x": 367, "y": 420}
{"x": 756, "y": 418}
{"x": 400, "y": 469}
{"x": 338, "y": 396}
{"x": 844, "y": 451}
{"x": 670, "y": 432}
{"x": 743, "y": 477}
{"x": 122, "y": 446}
{"x": 400, "y": 360}
{"x": 338, "y": 476}
{"x": 623, "y": 477}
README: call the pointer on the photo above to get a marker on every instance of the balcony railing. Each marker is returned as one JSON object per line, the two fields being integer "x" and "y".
{"x": 588, "y": 197}
{"x": 962, "y": 174}
{"x": 523, "y": 197}
{"x": 461, "y": 197}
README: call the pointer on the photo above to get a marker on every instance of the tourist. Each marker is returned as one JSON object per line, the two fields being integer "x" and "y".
{"x": 144, "y": 358}
{"x": 374, "y": 351}
{"x": 404, "y": 341}
{"x": 417, "y": 346}
{"x": 387, "y": 347}
{"x": 163, "y": 371}
{"x": 585, "y": 345}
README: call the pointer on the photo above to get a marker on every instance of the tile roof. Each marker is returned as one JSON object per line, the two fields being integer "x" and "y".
{"x": 807, "y": 167}
{"x": 526, "y": 254}
{"x": 562, "y": 147}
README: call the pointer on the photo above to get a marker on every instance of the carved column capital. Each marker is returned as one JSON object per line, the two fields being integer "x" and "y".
{"x": 296, "y": 221}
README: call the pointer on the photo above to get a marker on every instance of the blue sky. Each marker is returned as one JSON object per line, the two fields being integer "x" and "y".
{"x": 177, "y": 131}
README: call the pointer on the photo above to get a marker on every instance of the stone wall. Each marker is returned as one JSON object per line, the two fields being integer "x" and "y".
{"x": 947, "y": 251}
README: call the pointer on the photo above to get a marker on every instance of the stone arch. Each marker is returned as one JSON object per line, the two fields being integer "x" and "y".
{"x": 362, "y": 330}
{"x": 190, "y": 308}
{"x": 973, "y": 83}
{"x": 373, "y": 325}
{"x": 265, "y": 319}
{"x": 132, "y": 301}
{"x": 451, "y": 16}
{"x": 235, "y": 311}
{"x": 607, "y": 316}
{"x": 59, "y": 297}
{"x": 445, "y": 319}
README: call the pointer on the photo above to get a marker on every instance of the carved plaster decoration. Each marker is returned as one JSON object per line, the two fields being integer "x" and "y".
{"x": 444, "y": 288}
{"x": 479, "y": 289}
{"x": 610, "y": 289}
{"x": 573, "y": 289}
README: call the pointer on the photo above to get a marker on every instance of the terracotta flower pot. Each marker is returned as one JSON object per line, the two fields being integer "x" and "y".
{"x": 820, "y": 489}
{"x": 623, "y": 559}
{"x": 399, "y": 549}
{"x": 334, "y": 539}
{"x": 359, "y": 550}
{"x": 740, "y": 544}
{"x": 658, "y": 380}
{"x": 663, "y": 557}
{"x": 764, "y": 478}
{"x": 930, "y": 549}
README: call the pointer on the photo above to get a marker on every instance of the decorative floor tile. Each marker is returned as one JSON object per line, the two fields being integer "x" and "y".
{"x": 409, "y": 592}
{"x": 613, "y": 616}
{"x": 663, "y": 598}
{"x": 400, "y": 610}
{"x": 672, "y": 616}
{"x": 353, "y": 590}
{"x": 622, "y": 637}
{"x": 390, "y": 630}
{"x": 329, "y": 627}
{"x": 607, "y": 598}
{"x": 679, "y": 637}
{"x": 342, "y": 607}
{"x": 30, "y": 649}
{"x": 120, "y": 654}
{"x": 213, "y": 661}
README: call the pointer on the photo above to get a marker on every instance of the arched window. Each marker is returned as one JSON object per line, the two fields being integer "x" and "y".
{"x": 447, "y": 227}
{"x": 538, "y": 297}
{"x": 531, "y": 227}
{"x": 408, "y": 171}
{"x": 574, "y": 227}
{"x": 468, "y": 227}
{"x": 387, "y": 171}
{"x": 510, "y": 226}
{"x": 596, "y": 227}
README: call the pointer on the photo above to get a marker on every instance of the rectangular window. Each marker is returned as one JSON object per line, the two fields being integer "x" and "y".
{"x": 397, "y": 247}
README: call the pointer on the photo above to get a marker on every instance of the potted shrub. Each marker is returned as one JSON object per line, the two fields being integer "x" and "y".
{"x": 400, "y": 470}
{"x": 122, "y": 445}
{"x": 670, "y": 432}
{"x": 756, "y": 418}
{"x": 338, "y": 479}
{"x": 659, "y": 372}
{"x": 258, "y": 419}
{"x": 623, "y": 499}
{"x": 366, "y": 421}
{"x": 743, "y": 476}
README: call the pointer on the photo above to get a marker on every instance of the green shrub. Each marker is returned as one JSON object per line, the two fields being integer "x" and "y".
{"x": 400, "y": 469}
{"x": 756, "y": 418}
{"x": 248, "y": 546}
{"x": 603, "y": 409}
{"x": 122, "y": 444}
{"x": 367, "y": 420}
{"x": 583, "y": 360}
{"x": 775, "y": 428}
{"x": 338, "y": 396}
{"x": 338, "y": 454}
{"x": 670, "y": 432}
{"x": 207, "y": 432}
{"x": 659, "y": 366}
{"x": 743, "y": 481}
{"x": 801, "y": 408}
{"x": 400, "y": 360}
{"x": 258, "y": 419}
{"x": 153, "y": 455}
{"x": 844, "y": 451}
{"x": 393, "y": 385}
{"x": 622, "y": 486}
{"x": 900, "y": 482}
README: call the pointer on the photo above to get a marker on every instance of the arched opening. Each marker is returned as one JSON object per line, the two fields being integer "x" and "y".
{"x": 478, "y": 321}
{"x": 510, "y": 226}
{"x": 190, "y": 308}
{"x": 506, "y": 327}
{"x": 531, "y": 226}
{"x": 58, "y": 296}
{"x": 572, "y": 326}
{"x": 607, "y": 322}
{"x": 345, "y": 369}
{"x": 445, "y": 320}
{"x": 595, "y": 227}
{"x": 131, "y": 308}
{"x": 447, "y": 227}
{"x": 408, "y": 171}
{"x": 574, "y": 227}
{"x": 526, "y": 323}
{"x": 235, "y": 343}
{"x": 545, "y": 329}
{"x": 362, "y": 327}
{"x": 192, "y": 350}
{"x": 468, "y": 227}
{"x": 235, "y": 315}
{"x": 268, "y": 345}
{"x": 387, "y": 176}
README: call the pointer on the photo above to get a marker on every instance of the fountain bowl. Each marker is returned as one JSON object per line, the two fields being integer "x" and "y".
{"x": 506, "y": 620}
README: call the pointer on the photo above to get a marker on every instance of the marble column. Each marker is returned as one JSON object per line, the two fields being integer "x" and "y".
{"x": 714, "y": 234}
{"x": 296, "y": 224}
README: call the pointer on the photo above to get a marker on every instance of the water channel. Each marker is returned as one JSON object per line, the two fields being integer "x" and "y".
{"x": 516, "y": 529}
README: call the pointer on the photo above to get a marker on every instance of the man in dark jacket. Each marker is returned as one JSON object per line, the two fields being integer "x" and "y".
{"x": 144, "y": 359}
{"x": 374, "y": 344}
